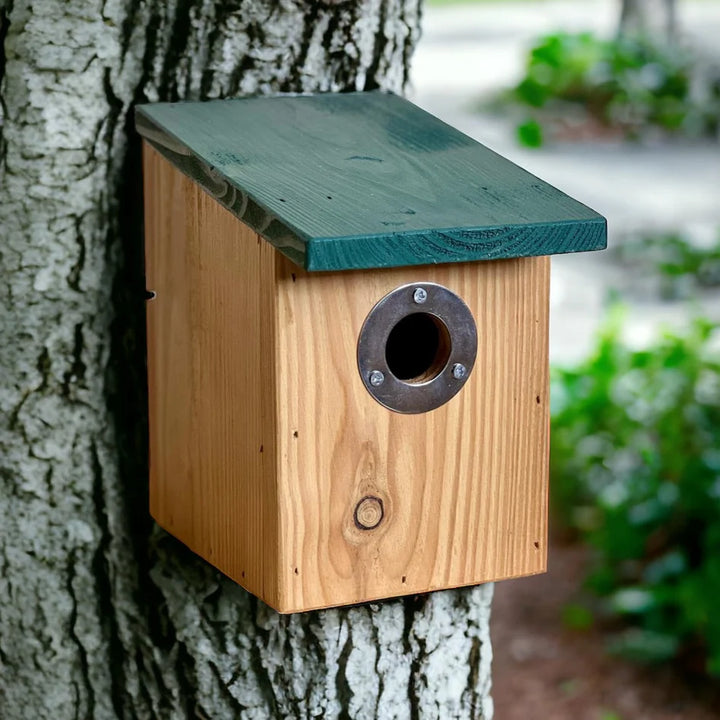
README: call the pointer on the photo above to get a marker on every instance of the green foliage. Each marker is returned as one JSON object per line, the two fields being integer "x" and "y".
{"x": 530, "y": 133}
{"x": 577, "y": 617}
{"x": 635, "y": 470}
{"x": 627, "y": 83}
{"x": 682, "y": 266}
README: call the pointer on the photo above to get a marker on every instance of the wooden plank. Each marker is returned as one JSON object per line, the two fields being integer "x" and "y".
{"x": 463, "y": 488}
{"x": 366, "y": 180}
{"x": 210, "y": 379}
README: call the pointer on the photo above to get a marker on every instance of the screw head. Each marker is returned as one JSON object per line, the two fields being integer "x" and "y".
{"x": 376, "y": 378}
{"x": 420, "y": 295}
{"x": 459, "y": 371}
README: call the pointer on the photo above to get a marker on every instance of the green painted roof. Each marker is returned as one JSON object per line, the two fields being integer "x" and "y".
{"x": 364, "y": 180}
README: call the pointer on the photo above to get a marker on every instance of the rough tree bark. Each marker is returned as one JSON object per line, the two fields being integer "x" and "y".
{"x": 101, "y": 616}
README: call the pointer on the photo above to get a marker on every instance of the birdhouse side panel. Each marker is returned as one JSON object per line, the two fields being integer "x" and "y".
{"x": 210, "y": 378}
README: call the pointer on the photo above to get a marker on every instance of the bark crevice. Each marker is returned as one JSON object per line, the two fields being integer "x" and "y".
{"x": 85, "y": 700}
{"x": 106, "y": 611}
{"x": 5, "y": 10}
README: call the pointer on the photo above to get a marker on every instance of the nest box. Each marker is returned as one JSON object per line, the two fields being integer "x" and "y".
{"x": 348, "y": 345}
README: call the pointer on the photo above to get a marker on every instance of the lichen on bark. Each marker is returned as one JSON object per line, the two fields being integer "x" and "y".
{"x": 101, "y": 615}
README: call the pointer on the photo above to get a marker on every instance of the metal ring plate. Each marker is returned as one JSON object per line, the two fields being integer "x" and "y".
{"x": 406, "y": 397}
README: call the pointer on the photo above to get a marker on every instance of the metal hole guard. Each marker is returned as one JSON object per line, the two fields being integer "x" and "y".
{"x": 416, "y": 397}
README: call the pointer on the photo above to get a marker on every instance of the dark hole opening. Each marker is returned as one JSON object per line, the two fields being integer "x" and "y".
{"x": 417, "y": 348}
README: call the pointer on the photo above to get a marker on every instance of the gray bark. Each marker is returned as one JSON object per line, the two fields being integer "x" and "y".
{"x": 648, "y": 18}
{"x": 101, "y": 615}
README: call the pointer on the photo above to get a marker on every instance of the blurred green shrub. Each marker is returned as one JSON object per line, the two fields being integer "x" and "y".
{"x": 683, "y": 267}
{"x": 627, "y": 83}
{"x": 635, "y": 470}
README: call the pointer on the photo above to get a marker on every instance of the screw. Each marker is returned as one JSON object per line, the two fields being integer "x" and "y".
{"x": 459, "y": 371}
{"x": 420, "y": 295}
{"x": 376, "y": 378}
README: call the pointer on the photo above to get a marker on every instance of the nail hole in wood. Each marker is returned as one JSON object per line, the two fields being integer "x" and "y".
{"x": 292, "y": 275}
{"x": 296, "y": 571}
{"x": 537, "y": 399}
{"x": 150, "y": 294}
{"x": 242, "y": 574}
{"x": 537, "y": 545}
{"x": 295, "y": 433}
{"x": 369, "y": 513}
{"x": 262, "y": 447}
{"x": 404, "y": 578}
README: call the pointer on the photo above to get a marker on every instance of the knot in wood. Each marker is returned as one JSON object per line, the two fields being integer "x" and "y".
{"x": 369, "y": 513}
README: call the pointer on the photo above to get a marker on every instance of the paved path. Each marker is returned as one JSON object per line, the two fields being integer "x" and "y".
{"x": 470, "y": 50}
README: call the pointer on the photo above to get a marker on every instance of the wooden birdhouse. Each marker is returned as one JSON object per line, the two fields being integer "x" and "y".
{"x": 348, "y": 345}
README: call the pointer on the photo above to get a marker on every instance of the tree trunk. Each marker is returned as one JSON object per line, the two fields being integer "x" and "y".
{"x": 648, "y": 18}
{"x": 102, "y": 615}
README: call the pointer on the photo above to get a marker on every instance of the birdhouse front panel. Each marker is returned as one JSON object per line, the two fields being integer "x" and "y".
{"x": 338, "y": 417}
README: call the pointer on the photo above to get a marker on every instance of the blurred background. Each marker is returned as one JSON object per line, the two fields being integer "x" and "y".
{"x": 617, "y": 103}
